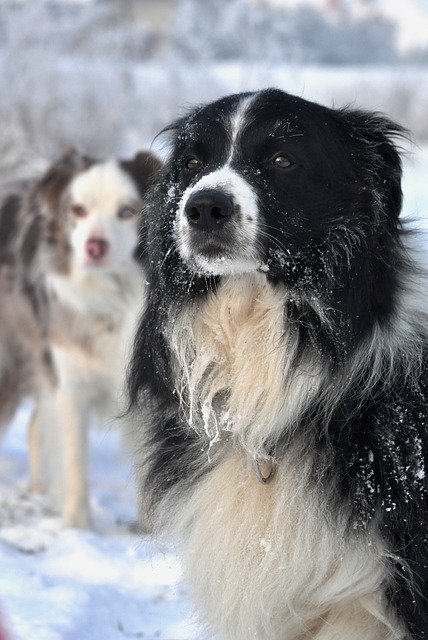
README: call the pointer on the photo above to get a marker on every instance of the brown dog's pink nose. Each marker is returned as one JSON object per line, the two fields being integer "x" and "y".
{"x": 96, "y": 248}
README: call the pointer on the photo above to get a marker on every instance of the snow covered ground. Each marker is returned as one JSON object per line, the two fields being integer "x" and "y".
{"x": 109, "y": 584}
{"x": 61, "y": 584}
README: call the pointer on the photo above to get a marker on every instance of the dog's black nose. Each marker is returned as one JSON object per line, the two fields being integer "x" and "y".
{"x": 208, "y": 210}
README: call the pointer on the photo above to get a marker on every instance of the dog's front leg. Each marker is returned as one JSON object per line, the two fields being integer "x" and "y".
{"x": 35, "y": 457}
{"x": 76, "y": 511}
{"x": 43, "y": 441}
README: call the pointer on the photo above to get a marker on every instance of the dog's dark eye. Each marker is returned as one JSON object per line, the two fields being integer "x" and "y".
{"x": 126, "y": 212}
{"x": 191, "y": 163}
{"x": 78, "y": 210}
{"x": 282, "y": 162}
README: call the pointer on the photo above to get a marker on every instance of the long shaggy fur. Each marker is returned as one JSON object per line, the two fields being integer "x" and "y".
{"x": 279, "y": 380}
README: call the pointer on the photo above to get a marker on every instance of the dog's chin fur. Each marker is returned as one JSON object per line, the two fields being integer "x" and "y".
{"x": 221, "y": 266}
{"x": 233, "y": 364}
{"x": 281, "y": 448}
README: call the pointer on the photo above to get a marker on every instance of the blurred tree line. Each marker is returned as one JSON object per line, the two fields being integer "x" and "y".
{"x": 264, "y": 31}
{"x": 202, "y": 30}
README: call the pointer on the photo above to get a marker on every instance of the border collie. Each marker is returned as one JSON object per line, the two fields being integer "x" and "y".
{"x": 279, "y": 381}
{"x": 84, "y": 227}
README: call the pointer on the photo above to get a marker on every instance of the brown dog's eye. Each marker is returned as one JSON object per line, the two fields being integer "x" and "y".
{"x": 126, "y": 212}
{"x": 282, "y": 162}
{"x": 78, "y": 210}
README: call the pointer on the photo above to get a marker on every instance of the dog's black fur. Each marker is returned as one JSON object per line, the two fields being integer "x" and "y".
{"x": 334, "y": 236}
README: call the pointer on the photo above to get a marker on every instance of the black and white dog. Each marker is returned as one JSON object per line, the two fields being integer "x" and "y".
{"x": 279, "y": 380}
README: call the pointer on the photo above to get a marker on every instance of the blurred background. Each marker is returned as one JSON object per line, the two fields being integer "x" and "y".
{"x": 107, "y": 75}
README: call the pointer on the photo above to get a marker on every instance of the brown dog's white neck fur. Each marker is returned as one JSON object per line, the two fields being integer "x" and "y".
{"x": 92, "y": 293}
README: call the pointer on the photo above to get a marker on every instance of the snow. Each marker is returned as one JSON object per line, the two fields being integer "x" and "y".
{"x": 415, "y": 186}
{"x": 107, "y": 584}
{"x": 63, "y": 584}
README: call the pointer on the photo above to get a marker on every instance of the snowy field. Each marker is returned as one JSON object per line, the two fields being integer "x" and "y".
{"x": 109, "y": 584}
{"x": 63, "y": 584}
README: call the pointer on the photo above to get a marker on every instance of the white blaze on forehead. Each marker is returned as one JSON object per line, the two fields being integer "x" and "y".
{"x": 103, "y": 187}
{"x": 244, "y": 198}
{"x": 237, "y": 121}
{"x": 226, "y": 178}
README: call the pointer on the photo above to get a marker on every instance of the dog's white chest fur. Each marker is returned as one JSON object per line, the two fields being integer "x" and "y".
{"x": 92, "y": 334}
{"x": 263, "y": 561}
{"x": 234, "y": 363}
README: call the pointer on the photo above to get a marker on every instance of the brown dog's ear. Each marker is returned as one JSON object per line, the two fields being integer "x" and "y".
{"x": 142, "y": 169}
{"x": 49, "y": 189}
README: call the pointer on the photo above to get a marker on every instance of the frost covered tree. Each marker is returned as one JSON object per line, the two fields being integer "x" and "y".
{"x": 65, "y": 77}
{"x": 266, "y": 32}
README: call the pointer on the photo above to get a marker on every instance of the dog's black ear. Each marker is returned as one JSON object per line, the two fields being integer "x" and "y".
{"x": 142, "y": 168}
{"x": 51, "y": 186}
{"x": 378, "y": 154}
